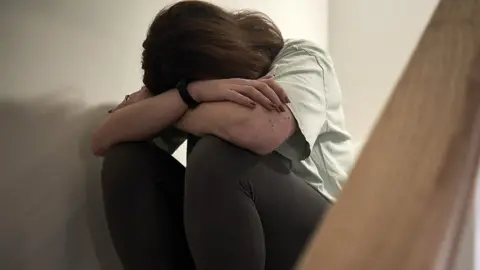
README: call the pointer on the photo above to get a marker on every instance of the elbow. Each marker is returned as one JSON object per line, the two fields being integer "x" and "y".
{"x": 259, "y": 131}
{"x": 97, "y": 151}
{"x": 262, "y": 145}
{"x": 262, "y": 151}
{"x": 264, "y": 137}
{"x": 98, "y": 147}
{"x": 265, "y": 146}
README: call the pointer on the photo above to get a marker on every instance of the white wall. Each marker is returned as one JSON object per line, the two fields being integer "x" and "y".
{"x": 61, "y": 61}
{"x": 371, "y": 42}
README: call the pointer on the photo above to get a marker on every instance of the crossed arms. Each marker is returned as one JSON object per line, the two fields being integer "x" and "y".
{"x": 256, "y": 129}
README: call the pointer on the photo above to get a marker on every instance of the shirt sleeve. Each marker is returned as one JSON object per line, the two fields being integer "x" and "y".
{"x": 170, "y": 139}
{"x": 302, "y": 71}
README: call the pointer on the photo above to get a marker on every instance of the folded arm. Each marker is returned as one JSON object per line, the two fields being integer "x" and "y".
{"x": 258, "y": 130}
{"x": 147, "y": 117}
{"x": 138, "y": 121}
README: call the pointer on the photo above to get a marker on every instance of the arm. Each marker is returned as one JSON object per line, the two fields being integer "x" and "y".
{"x": 138, "y": 121}
{"x": 257, "y": 129}
{"x": 306, "y": 74}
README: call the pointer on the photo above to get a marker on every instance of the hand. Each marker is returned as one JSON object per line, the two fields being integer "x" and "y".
{"x": 141, "y": 94}
{"x": 264, "y": 91}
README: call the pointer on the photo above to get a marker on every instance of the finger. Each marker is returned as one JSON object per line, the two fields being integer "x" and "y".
{"x": 122, "y": 104}
{"x": 135, "y": 97}
{"x": 278, "y": 89}
{"x": 144, "y": 91}
{"x": 266, "y": 77}
{"x": 255, "y": 95}
{"x": 116, "y": 108}
{"x": 262, "y": 88}
{"x": 135, "y": 94}
{"x": 240, "y": 99}
{"x": 267, "y": 91}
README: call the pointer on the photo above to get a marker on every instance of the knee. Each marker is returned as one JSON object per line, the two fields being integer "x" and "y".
{"x": 213, "y": 158}
{"x": 126, "y": 156}
{"x": 127, "y": 160}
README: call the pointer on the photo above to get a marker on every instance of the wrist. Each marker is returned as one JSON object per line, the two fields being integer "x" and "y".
{"x": 185, "y": 94}
{"x": 193, "y": 90}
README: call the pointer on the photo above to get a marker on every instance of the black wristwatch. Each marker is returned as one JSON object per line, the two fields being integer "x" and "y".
{"x": 185, "y": 95}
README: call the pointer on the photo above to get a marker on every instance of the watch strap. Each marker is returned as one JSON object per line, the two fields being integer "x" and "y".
{"x": 185, "y": 95}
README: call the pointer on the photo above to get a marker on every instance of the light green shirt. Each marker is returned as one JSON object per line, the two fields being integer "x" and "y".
{"x": 320, "y": 149}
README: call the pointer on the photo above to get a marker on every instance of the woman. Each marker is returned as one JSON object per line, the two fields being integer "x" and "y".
{"x": 267, "y": 146}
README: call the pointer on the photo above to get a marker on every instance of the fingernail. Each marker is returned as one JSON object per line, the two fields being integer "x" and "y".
{"x": 269, "y": 76}
{"x": 110, "y": 111}
{"x": 253, "y": 104}
{"x": 282, "y": 109}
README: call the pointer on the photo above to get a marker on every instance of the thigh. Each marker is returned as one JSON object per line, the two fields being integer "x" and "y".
{"x": 232, "y": 189}
{"x": 289, "y": 209}
{"x": 138, "y": 172}
{"x": 223, "y": 227}
{"x": 143, "y": 196}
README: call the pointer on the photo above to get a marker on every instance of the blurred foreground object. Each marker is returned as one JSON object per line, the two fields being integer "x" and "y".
{"x": 407, "y": 197}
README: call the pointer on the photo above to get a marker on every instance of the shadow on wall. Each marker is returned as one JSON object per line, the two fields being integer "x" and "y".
{"x": 51, "y": 209}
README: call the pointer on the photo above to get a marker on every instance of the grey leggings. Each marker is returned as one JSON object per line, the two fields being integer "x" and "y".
{"x": 228, "y": 210}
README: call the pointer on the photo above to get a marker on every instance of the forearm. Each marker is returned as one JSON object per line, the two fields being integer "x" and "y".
{"x": 139, "y": 121}
{"x": 258, "y": 130}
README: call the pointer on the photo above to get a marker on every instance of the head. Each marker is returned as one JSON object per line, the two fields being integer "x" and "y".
{"x": 196, "y": 40}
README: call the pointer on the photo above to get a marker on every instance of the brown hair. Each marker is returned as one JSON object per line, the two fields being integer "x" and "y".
{"x": 196, "y": 40}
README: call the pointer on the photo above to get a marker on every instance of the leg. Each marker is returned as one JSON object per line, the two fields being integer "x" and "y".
{"x": 143, "y": 195}
{"x": 243, "y": 211}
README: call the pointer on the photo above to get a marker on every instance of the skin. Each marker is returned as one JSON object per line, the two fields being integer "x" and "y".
{"x": 248, "y": 113}
{"x": 258, "y": 130}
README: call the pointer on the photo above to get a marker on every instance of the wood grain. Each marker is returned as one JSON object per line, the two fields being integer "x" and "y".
{"x": 405, "y": 201}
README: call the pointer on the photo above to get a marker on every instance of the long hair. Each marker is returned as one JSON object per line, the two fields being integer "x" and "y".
{"x": 196, "y": 40}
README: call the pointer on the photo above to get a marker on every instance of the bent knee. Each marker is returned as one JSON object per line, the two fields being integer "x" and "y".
{"x": 214, "y": 158}
{"x": 125, "y": 155}
{"x": 125, "y": 159}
